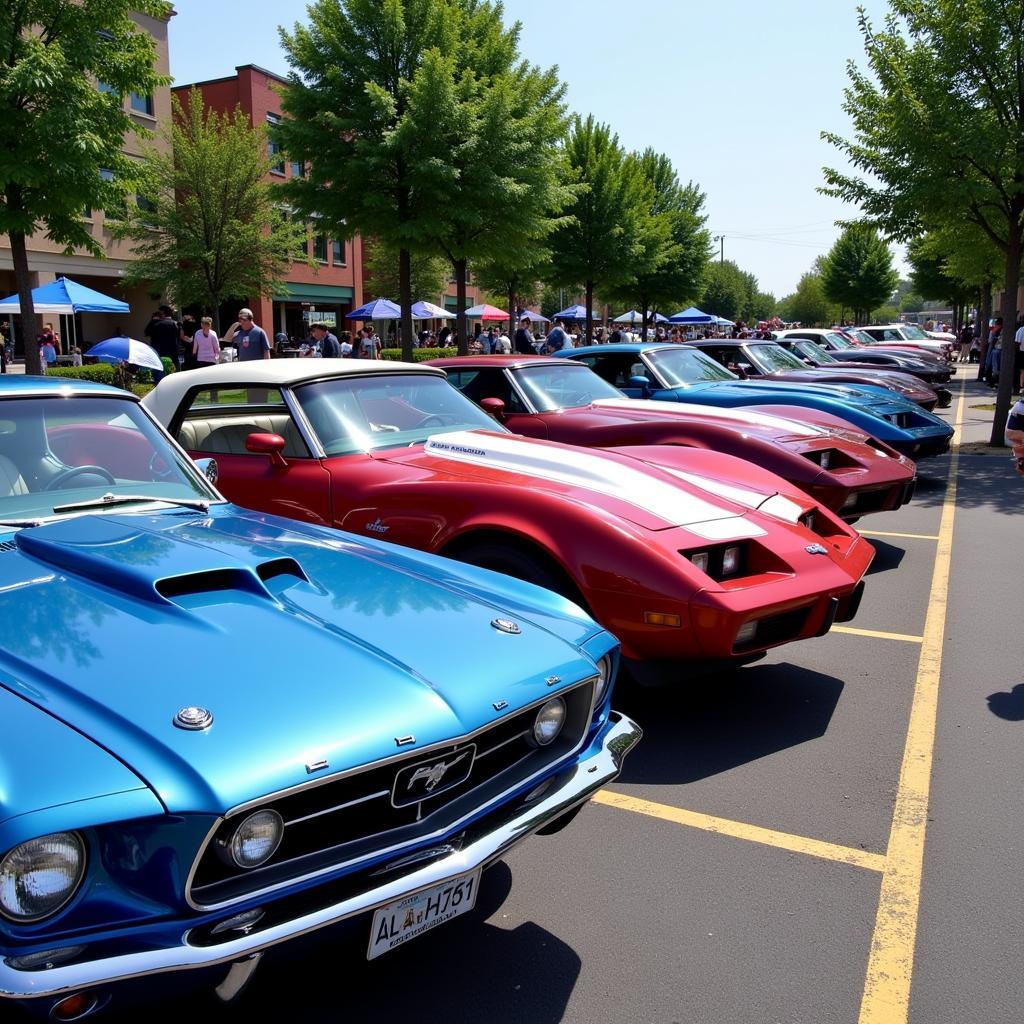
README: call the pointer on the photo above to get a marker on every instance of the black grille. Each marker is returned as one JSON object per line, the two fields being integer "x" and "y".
{"x": 355, "y": 817}
{"x": 776, "y": 629}
{"x": 904, "y": 420}
{"x": 8, "y": 545}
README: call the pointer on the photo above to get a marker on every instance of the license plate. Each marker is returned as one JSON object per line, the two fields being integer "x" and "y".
{"x": 413, "y": 915}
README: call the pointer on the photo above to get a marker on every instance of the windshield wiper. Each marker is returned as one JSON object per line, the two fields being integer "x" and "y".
{"x": 21, "y": 522}
{"x": 107, "y": 500}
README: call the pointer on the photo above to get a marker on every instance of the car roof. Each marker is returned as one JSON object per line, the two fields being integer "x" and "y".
{"x": 19, "y": 386}
{"x": 166, "y": 396}
{"x": 454, "y": 362}
{"x": 629, "y": 346}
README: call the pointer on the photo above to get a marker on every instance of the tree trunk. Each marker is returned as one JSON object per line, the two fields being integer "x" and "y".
{"x": 405, "y": 302}
{"x": 1007, "y": 376}
{"x": 461, "y": 327}
{"x": 984, "y": 315}
{"x": 590, "y": 307}
{"x": 29, "y": 321}
{"x": 513, "y": 302}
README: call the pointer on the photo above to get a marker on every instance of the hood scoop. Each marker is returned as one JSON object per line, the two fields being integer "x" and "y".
{"x": 123, "y": 555}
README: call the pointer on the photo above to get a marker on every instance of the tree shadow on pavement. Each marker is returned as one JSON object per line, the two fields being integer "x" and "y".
{"x": 1008, "y": 705}
{"x": 983, "y": 481}
{"x": 707, "y": 727}
{"x": 465, "y": 970}
{"x": 887, "y": 556}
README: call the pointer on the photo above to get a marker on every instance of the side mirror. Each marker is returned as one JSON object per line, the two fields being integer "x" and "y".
{"x": 641, "y": 383}
{"x": 209, "y": 469}
{"x": 493, "y": 407}
{"x": 267, "y": 444}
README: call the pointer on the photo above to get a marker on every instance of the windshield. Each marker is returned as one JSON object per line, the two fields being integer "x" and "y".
{"x": 365, "y": 413}
{"x": 863, "y": 337}
{"x": 815, "y": 352}
{"x": 915, "y": 333}
{"x": 837, "y": 339}
{"x": 678, "y": 367}
{"x": 57, "y": 451}
{"x": 563, "y": 385}
{"x": 775, "y": 357}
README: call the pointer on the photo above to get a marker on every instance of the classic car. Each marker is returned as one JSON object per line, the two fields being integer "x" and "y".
{"x": 820, "y": 346}
{"x": 685, "y": 567}
{"x": 222, "y": 730}
{"x": 759, "y": 359}
{"x": 909, "y": 336}
{"x": 681, "y": 373}
{"x": 560, "y": 400}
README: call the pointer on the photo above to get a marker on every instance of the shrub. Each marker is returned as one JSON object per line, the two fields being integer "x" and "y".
{"x": 102, "y": 373}
{"x": 419, "y": 355}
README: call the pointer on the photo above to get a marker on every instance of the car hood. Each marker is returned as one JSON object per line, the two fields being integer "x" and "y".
{"x": 306, "y": 646}
{"x": 776, "y": 391}
{"x": 749, "y": 421}
{"x": 609, "y": 483}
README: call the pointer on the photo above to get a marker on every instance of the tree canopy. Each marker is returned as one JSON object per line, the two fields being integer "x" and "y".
{"x": 858, "y": 273}
{"x": 938, "y": 122}
{"x": 53, "y": 57}
{"x": 428, "y": 274}
{"x": 209, "y": 227}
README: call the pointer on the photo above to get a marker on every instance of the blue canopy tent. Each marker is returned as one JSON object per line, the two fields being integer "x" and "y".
{"x": 693, "y": 315}
{"x": 576, "y": 313}
{"x": 722, "y": 322}
{"x": 534, "y": 318}
{"x": 633, "y": 316}
{"x": 65, "y": 297}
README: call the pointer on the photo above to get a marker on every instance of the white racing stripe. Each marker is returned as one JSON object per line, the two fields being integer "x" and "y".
{"x": 593, "y": 472}
{"x": 774, "y": 505}
{"x": 744, "y": 417}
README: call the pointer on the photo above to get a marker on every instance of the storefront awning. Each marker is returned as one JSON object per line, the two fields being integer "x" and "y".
{"x": 315, "y": 293}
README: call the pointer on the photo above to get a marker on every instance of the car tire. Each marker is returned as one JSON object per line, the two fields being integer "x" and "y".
{"x": 522, "y": 565}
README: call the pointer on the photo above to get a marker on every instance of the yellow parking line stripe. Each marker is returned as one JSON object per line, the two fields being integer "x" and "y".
{"x": 739, "y": 830}
{"x": 886, "y": 997}
{"x": 907, "y": 536}
{"x": 878, "y": 634}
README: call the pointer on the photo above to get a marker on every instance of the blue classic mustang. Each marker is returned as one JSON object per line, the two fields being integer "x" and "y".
{"x": 679, "y": 373}
{"x": 220, "y": 730}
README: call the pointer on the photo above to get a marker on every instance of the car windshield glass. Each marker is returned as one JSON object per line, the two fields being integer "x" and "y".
{"x": 836, "y": 339}
{"x": 58, "y": 451}
{"x": 367, "y": 412}
{"x": 816, "y": 352}
{"x": 775, "y": 357}
{"x": 563, "y": 385}
{"x": 680, "y": 366}
{"x": 914, "y": 333}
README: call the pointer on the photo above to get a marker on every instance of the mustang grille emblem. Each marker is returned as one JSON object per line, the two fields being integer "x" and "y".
{"x": 816, "y": 549}
{"x": 419, "y": 781}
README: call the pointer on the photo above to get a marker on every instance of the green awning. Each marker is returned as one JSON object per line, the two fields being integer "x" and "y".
{"x": 315, "y": 293}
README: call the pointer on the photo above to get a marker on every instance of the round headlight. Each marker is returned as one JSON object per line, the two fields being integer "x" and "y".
{"x": 604, "y": 678}
{"x": 256, "y": 839}
{"x": 549, "y": 721}
{"x": 38, "y": 877}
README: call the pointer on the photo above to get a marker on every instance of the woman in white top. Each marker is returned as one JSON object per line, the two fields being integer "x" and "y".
{"x": 205, "y": 344}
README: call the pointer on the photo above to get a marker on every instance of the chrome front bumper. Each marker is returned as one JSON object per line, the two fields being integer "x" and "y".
{"x": 574, "y": 786}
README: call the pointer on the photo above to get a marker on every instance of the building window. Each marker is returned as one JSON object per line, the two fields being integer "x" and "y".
{"x": 320, "y": 247}
{"x": 141, "y": 104}
{"x": 116, "y": 211}
{"x": 338, "y": 252}
{"x": 273, "y": 146}
{"x": 108, "y": 90}
{"x": 298, "y": 169}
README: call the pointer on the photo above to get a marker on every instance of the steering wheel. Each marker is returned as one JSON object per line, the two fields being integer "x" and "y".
{"x": 155, "y": 461}
{"x": 69, "y": 474}
{"x": 432, "y": 418}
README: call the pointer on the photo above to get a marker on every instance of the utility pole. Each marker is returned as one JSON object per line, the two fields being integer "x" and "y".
{"x": 720, "y": 239}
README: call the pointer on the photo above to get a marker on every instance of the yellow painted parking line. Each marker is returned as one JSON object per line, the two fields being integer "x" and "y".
{"x": 878, "y": 634}
{"x": 739, "y": 830}
{"x": 886, "y": 997}
{"x": 906, "y": 536}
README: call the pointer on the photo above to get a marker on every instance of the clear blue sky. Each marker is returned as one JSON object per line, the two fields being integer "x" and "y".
{"x": 734, "y": 91}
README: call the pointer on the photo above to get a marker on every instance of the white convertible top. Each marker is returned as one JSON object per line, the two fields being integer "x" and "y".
{"x": 165, "y": 398}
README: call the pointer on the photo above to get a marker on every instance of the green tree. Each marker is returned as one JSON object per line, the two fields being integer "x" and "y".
{"x": 911, "y": 302}
{"x": 938, "y": 121}
{"x": 725, "y": 291}
{"x": 367, "y": 107}
{"x": 209, "y": 227}
{"x": 607, "y": 240}
{"x": 513, "y": 280}
{"x": 808, "y": 304}
{"x": 857, "y": 272}
{"x": 428, "y": 275}
{"x": 494, "y": 113}
{"x": 52, "y": 56}
{"x": 681, "y": 248}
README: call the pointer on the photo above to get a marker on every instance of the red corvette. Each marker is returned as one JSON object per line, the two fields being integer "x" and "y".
{"x": 686, "y": 556}
{"x": 564, "y": 401}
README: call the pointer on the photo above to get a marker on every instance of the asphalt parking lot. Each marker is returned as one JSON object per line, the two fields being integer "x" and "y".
{"x": 831, "y": 835}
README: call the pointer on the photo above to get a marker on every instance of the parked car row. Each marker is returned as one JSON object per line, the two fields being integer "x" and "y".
{"x": 236, "y": 651}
